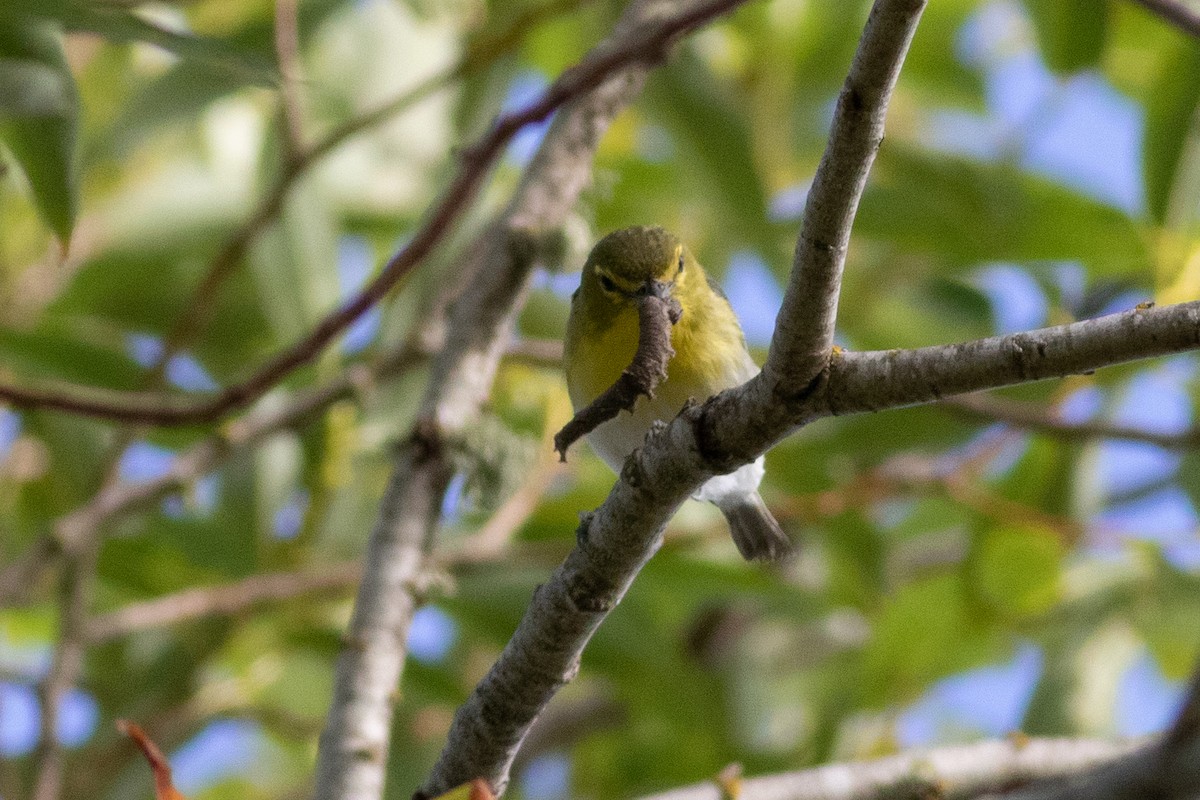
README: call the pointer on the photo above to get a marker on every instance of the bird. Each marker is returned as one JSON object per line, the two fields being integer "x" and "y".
{"x": 710, "y": 356}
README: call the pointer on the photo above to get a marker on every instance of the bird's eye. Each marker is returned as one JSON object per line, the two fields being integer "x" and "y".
{"x": 607, "y": 283}
{"x": 681, "y": 261}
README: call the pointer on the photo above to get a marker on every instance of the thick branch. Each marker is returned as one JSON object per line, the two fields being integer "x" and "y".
{"x": 647, "y": 369}
{"x": 642, "y": 45}
{"x": 893, "y": 378}
{"x": 804, "y": 330}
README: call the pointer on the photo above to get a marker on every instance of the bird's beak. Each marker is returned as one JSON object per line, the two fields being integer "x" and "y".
{"x": 659, "y": 289}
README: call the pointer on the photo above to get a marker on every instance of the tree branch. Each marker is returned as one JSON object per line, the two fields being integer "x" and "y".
{"x": 291, "y": 94}
{"x": 1046, "y": 420}
{"x": 615, "y": 542}
{"x": 1167, "y": 769}
{"x": 956, "y": 771}
{"x": 804, "y": 329}
{"x": 642, "y": 46}
{"x": 873, "y": 381}
{"x": 79, "y": 578}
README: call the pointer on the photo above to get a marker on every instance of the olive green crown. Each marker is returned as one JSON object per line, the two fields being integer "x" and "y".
{"x": 635, "y": 254}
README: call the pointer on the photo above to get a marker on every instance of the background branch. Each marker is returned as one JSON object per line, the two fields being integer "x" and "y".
{"x": 1177, "y": 13}
{"x": 1046, "y": 420}
{"x": 957, "y": 771}
{"x": 643, "y": 45}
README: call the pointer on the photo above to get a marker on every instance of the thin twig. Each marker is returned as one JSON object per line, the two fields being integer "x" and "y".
{"x": 1030, "y": 416}
{"x": 647, "y": 369}
{"x": 475, "y": 160}
{"x": 226, "y": 599}
{"x": 113, "y": 501}
{"x": 1177, "y": 13}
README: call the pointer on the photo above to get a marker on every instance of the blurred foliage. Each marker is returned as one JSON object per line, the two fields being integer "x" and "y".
{"x": 144, "y": 134}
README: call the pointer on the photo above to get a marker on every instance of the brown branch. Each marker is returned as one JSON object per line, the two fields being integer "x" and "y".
{"x": 1177, "y": 13}
{"x": 1044, "y": 420}
{"x": 74, "y": 530}
{"x": 647, "y": 369}
{"x": 475, "y": 161}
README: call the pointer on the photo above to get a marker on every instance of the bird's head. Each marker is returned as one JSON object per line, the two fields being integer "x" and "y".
{"x": 632, "y": 263}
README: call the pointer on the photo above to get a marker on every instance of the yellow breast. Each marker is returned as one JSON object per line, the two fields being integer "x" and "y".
{"x": 710, "y": 353}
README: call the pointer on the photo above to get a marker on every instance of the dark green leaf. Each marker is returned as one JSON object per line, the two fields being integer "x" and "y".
{"x": 1071, "y": 33}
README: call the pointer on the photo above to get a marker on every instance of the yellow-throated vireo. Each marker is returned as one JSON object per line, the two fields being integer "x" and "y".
{"x": 710, "y": 355}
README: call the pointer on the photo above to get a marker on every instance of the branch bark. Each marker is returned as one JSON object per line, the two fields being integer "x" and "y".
{"x": 804, "y": 328}
{"x": 230, "y": 598}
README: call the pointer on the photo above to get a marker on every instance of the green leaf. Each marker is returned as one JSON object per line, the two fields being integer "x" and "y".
{"x": 1017, "y": 569}
{"x": 923, "y": 632}
{"x": 69, "y": 349}
{"x": 966, "y": 212}
{"x": 1170, "y": 119}
{"x": 40, "y": 124}
{"x": 715, "y": 142}
{"x": 1071, "y": 33}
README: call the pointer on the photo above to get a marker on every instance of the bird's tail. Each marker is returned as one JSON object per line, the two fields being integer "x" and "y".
{"x": 755, "y": 532}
